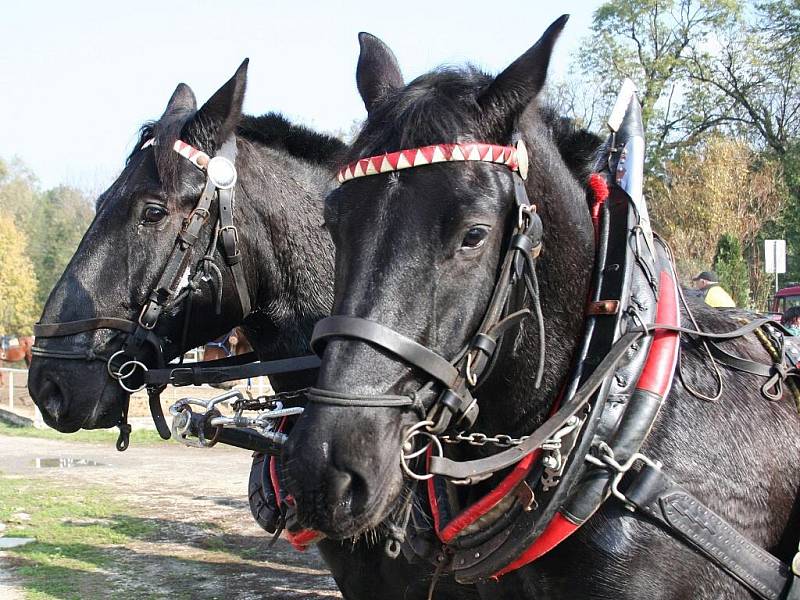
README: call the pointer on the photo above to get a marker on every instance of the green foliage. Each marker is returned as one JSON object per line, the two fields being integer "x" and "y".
{"x": 59, "y": 220}
{"x": 732, "y": 269}
{"x": 654, "y": 42}
{"x": 18, "y": 309}
{"x": 51, "y": 223}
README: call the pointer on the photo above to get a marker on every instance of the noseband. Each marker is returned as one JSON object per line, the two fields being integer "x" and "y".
{"x": 453, "y": 379}
{"x": 221, "y": 176}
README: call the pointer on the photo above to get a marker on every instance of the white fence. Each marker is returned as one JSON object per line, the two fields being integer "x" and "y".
{"x": 14, "y": 393}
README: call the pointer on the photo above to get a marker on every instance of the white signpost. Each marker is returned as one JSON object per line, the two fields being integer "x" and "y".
{"x": 775, "y": 258}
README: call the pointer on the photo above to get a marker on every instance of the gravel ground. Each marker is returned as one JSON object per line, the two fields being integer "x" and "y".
{"x": 207, "y": 544}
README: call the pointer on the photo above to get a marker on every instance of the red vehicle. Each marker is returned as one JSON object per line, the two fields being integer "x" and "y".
{"x": 786, "y": 298}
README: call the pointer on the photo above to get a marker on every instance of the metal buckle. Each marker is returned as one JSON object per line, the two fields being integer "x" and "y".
{"x": 117, "y": 374}
{"x": 147, "y": 326}
{"x": 607, "y": 460}
{"x": 235, "y": 233}
{"x": 121, "y": 379}
{"x": 524, "y": 211}
{"x": 198, "y": 210}
{"x": 472, "y": 378}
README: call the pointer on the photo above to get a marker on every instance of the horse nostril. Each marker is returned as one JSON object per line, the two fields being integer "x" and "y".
{"x": 53, "y": 401}
{"x": 346, "y": 489}
{"x": 339, "y": 488}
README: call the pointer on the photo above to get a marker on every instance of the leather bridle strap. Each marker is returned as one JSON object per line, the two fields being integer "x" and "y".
{"x": 230, "y": 246}
{"x": 387, "y": 339}
{"x": 82, "y": 326}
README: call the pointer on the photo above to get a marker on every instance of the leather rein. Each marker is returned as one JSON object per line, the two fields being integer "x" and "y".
{"x": 139, "y": 334}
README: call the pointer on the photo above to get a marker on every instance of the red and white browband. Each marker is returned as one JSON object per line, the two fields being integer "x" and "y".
{"x": 219, "y": 169}
{"x": 514, "y": 157}
{"x": 197, "y": 157}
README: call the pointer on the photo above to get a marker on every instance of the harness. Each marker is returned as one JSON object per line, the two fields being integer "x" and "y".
{"x": 139, "y": 335}
{"x": 553, "y": 480}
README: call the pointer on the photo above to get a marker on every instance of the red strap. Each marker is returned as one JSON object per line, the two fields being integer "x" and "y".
{"x": 556, "y": 532}
{"x": 657, "y": 374}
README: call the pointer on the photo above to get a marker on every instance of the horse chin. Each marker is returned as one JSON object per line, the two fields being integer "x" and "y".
{"x": 341, "y": 522}
{"x": 69, "y": 403}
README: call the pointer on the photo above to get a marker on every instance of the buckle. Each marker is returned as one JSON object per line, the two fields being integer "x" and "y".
{"x": 140, "y": 320}
{"x": 175, "y": 376}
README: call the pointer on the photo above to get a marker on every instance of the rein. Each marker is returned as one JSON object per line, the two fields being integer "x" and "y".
{"x": 139, "y": 334}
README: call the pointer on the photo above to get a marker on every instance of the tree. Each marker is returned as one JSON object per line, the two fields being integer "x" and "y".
{"x": 721, "y": 187}
{"x": 18, "y": 310}
{"x": 18, "y": 192}
{"x": 752, "y": 81}
{"x": 654, "y": 42}
{"x": 57, "y": 226}
{"x": 731, "y": 269}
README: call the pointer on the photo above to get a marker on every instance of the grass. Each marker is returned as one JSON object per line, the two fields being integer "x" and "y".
{"x": 74, "y": 530}
{"x": 98, "y": 436}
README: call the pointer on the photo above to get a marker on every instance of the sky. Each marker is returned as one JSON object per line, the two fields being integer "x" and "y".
{"x": 78, "y": 78}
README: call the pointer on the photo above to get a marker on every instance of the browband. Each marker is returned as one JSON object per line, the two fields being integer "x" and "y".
{"x": 197, "y": 157}
{"x": 514, "y": 157}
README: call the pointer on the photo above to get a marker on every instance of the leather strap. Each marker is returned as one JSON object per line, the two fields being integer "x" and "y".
{"x": 387, "y": 339}
{"x": 154, "y": 401}
{"x": 664, "y": 501}
{"x": 204, "y": 373}
{"x": 48, "y": 330}
{"x": 230, "y": 245}
{"x": 477, "y": 469}
{"x": 344, "y": 399}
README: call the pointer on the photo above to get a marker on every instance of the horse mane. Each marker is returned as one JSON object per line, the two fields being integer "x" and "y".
{"x": 276, "y": 131}
{"x": 271, "y": 129}
{"x": 440, "y": 106}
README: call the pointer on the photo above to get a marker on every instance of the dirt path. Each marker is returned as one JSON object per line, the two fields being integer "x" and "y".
{"x": 206, "y": 544}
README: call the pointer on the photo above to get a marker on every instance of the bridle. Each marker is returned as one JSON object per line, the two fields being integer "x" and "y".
{"x": 447, "y": 400}
{"x": 587, "y": 445}
{"x": 167, "y": 293}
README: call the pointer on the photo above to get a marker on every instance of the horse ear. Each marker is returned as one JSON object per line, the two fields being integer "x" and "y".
{"x": 221, "y": 113}
{"x": 513, "y": 89}
{"x": 182, "y": 101}
{"x": 377, "y": 71}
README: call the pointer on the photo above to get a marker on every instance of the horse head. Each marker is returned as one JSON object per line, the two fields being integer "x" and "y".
{"x": 425, "y": 211}
{"x": 122, "y": 258}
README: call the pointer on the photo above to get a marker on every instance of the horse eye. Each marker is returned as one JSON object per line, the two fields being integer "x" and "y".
{"x": 475, "y": 237}
{"x": 153, "y": 214}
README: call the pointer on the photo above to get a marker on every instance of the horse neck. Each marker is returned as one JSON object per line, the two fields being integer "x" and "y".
{"x": 287, "y": 254}
{"x": 564, "y": 272}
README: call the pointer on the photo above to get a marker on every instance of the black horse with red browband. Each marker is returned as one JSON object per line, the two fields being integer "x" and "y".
{"x": 419, "y": 252}
{"x": 284, "y": 171}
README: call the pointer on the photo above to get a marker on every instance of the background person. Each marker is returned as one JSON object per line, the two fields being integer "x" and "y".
{"x": 713, "y": 293}
{"x": 791, "y": 319}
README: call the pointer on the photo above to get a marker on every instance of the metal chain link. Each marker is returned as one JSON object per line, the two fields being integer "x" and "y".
{"x": 481, "y": 439}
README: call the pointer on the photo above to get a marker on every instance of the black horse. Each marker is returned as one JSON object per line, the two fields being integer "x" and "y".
{"x": 284, "y": 171}
{"x": 418, "y": 251}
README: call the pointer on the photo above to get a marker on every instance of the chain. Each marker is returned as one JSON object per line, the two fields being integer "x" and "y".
{"x": 269, "y": 402}
{"x": 481, "y": 439}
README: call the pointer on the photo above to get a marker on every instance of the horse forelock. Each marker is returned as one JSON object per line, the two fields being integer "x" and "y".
{"x": 436, "y": 108}
{"x": 442, "y": 107}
